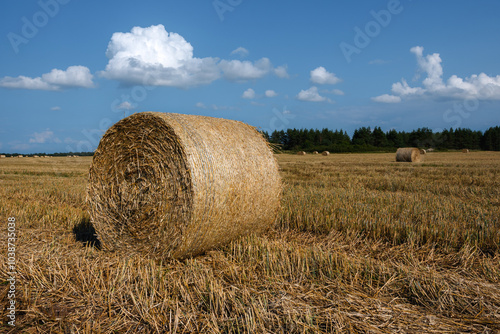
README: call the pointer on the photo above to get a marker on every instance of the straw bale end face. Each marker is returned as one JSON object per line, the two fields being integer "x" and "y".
{"x": 408, "y": 154}
{"x": 173, "y": 185}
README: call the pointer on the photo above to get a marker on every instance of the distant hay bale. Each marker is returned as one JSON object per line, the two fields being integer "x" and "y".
{"x": 172, "y": 185}
{"x": 19, "y": 156}
{"x": 430, "y": 150}
{"x": 301, "y": 153}
{"x": 315, "y": 152}
{"x": 408, "y": 154}
{"x": 35, "y": 156}
{"x": 2, "y": 156}
{"x": 325, "y": 153}
{"x": 465, "y": 150}
{"x": 422, "y": 151}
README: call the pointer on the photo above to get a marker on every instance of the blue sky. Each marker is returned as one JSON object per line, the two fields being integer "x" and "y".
{"x": 72, "y": 68}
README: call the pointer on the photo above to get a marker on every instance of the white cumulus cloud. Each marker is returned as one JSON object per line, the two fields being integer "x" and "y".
{"x": 46, "y": 136}
{"x": 321, "y": 76}
{"x": 311, "y": 95}
{"x": 236, "y": 70}
{"x": 477, "y": 86}
{"x": 154, "y": 57}
{"x": 386, "y": 98}
{"x": 281, "y": 72}
{"x": 72, "y": 77}
{"x": 240, "y": 51}
{"x": 270, "y": 93}
{"x": 125, "y": 106}
{"x": 248, "y": 94}
{"x": 334, "y": 92}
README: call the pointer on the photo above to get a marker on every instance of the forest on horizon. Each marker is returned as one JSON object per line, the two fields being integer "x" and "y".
{"x": 366, "y": 139}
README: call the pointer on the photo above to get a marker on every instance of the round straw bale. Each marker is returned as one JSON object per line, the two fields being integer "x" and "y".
{"x": 325, "y": 153}
{"x": 172, "y": 185}
{"x": 408, "y": 154}
{"x": 301, "y": 153}
{"x": 2, "y": 156}
{"x": 422, "y": 151}
{"x": 315, "y": 152}
{"x": 465, "y": 150}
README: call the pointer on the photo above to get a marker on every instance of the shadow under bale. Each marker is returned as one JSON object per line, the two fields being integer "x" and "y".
{"x": 85, "y": 232}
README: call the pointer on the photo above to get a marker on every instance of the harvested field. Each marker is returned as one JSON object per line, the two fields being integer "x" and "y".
{"x": 362, "y": 244}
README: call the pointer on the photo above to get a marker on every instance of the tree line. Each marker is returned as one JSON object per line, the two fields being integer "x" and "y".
{"x": 366, "y": 139}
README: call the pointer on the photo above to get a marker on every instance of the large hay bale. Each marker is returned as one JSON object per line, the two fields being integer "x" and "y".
{"x": 173, "y": 185}
{"x": 301, "y": 153}
{"x": 2, "y": 156}
{"x": 325, "y": 153}
{"x": 465, "y": 150}
{"x": 408, "y": 154}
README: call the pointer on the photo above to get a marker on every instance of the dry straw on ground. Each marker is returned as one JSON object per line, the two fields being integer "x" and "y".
{"x": 325, "y": 153}
{"x": 408, "y": 154}
{"x": 301, "y": 153}
{"x": 465, "y": 150}
{"x": 174, "y": 185}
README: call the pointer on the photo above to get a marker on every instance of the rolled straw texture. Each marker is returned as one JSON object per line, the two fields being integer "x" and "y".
{"x": 174, "y": 185}
{"x": 408, "y": 154}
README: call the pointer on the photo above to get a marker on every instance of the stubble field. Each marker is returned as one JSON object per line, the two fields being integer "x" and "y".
{"x": 362, "y": 244}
